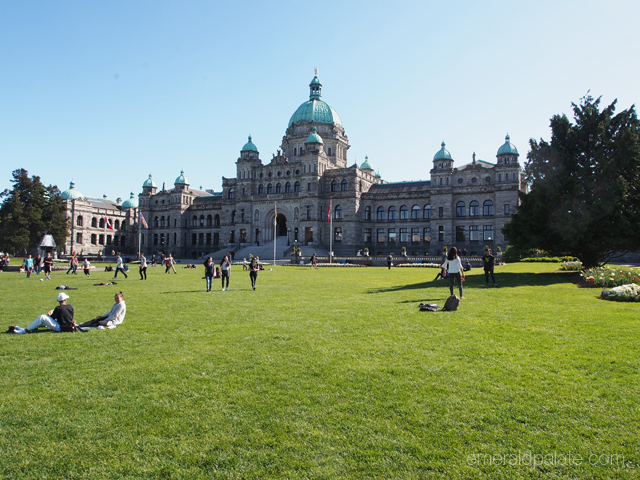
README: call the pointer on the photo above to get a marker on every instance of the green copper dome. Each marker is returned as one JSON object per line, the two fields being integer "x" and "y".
{"x": 131, "y": 203}
{"x": 72, "y": 193}
{"x": 378, "y": 175}
{"x": 149, "y": 183}
{"x": 314, "y": 137}
{"x": 181, "y": 180}
{"x": 366, "y": 165}
{"x": 315, "y": 110}
{"x": 443, "y": 153}
{"x": 249, "y": 146}
{"x": 508, "y": 147}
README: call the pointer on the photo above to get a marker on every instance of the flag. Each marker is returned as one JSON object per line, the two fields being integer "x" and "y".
{"x": 108, "y": 224}
{"x": 329, "y": 213}
{"x": 143, "y": 222}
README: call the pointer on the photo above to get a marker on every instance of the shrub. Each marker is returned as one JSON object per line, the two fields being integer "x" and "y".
{"x": 572, "y": 266}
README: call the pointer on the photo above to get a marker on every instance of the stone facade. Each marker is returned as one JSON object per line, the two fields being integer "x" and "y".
{"x": 465, "y": 206}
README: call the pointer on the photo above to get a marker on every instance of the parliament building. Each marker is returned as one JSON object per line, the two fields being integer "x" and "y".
{"x": 465, "y": 206}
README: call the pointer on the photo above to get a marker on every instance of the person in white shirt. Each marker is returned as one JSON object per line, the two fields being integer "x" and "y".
{"x": 143, "y": 267}
{"x": 86, "y": 266}
{"x": 119, "y": 268}
{"x": 453, "y": 264}
{"x": 114, "y": 317}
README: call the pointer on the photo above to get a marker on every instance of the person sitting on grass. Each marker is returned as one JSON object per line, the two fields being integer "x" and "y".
{"x": 60, "y": 319}
{"x": 114, "y": 317}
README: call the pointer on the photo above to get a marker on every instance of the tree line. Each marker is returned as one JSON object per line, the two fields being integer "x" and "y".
{"x": 28, "y": 211}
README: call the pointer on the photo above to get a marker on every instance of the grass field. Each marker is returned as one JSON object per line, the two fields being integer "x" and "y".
{"x": 322, "y": 374}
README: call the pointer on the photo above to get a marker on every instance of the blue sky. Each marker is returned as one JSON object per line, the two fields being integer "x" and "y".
{"x": 105, "y": 93}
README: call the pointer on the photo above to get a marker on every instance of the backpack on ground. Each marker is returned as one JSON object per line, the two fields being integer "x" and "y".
{"x": 428, "y": 307}
{"x": 451, "y": 305}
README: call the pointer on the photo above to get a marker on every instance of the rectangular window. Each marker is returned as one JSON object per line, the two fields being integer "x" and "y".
{"x": 208, "y": 238}
{"x": 243, "y": 236}
{"x": 499, "y": 177}
{"x": 201, "y": 238}
{"x": 474, "y": 233}
{"x": 94, "y": 239}
{"x": 460, "y": 234}
{"x": 155, "y": 239}
{"x": 108, "y": 239}
{"x": 337, "y": 234}
{"x": 233, "y": 237}
{"x": 381, "y": 236}
{"x": 404, "y": 235}
{"x": 162, "y": 239}
{"x": 440, "y": 212}
{"x": 79, "y": 238}
{"x": 216, "y": 238}
{"x": 309, "y": 187}
{"x": 115, "y": 241}
{"x": 427, "y": 234}
{"x": 392, "y": 235}
{"x": 415, "y": 235}
{"x": 367, "y": 235}
{"x": 308, "y": 212}
{"x": 506, "y": 209}
{"x": 488, "y": 232}
{"x": 123, "y": 241}
{"x": 441, "y": 233}
{"x": 194, "y": 239}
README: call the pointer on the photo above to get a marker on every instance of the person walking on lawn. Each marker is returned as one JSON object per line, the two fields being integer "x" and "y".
{"x": 143, "y": 266}
{"x": 489, "y": 263}
{"x": 253, "y": 272}
{"x": 120, "y": 268}
{"x": 225, "y": 268}
{"x": 453, "y": 264}
{"x": 209, "y": 272}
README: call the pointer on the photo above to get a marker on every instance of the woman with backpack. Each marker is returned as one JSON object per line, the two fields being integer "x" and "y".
{"x": 453, "y": 264}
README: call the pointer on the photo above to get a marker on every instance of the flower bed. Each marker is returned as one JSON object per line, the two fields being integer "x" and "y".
{"x": 623, "y": 293}
{"x": 571, "y": 266}
{"x": 610, "y": 276}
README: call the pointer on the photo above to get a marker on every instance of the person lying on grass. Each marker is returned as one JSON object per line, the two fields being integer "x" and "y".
{"x": 114, "y": 317}
{"x": 60, "y": 319}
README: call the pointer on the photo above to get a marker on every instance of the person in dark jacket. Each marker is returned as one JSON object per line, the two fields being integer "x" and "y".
{"x": 60, "y": 319}
{"x": 253, "y": 272}
{"x": 209, "y": 272}
{"x": 488, "y": 263}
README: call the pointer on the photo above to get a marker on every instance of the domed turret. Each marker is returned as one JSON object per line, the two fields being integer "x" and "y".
{"x": 508, "y": 148}
{"x": 366, "y": 165}
{"x": 149, "y": 183}
{"x": 132, "y": 202}
{"x": 443, "y": 153}
{"x": 249, "y": 146}
{"x": 72, "y": 193}
{"x": 181, "y": 180}
{"x": 314, "y": 137}
{"x": 315, "y": 110}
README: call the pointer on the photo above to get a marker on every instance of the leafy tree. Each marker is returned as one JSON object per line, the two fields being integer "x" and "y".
{"x": 28, "y": 211}
{"x": 585, "y": 186}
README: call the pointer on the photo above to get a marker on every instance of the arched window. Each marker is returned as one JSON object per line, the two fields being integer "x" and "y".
{"x": 209, "y": 220}
{"x": 415, "y": 212}
{"x": 278, "y": 188}
{"x": 156, "y": 222}
{"x": 344, "y": 185}
{"x": 474, "y": 209}
{"x": 232, "y": 192}
{"x": 295, "y": 152}
{"x": 427, "y": 212}
{"x": 460, "y": 207}
{"x": 256, "y": 216}
{"x": 116, "y": 224}
{"x": 202, "y": 220}
{"x": 216, "y": 221}
{"x": 392, "y": 213}
{"x": 404, "y": 212}
{"x": 233, "y": 217}
{"x": 123, "y": 225}
{"x": 329, "y": 151}
{"x": 94, "y": 222}
{"x": 367, "y": 213}
{"x": 287, "y": 187}
{"x": 195, "y": 221}
{"x": 380, "y": 213}
{"x": 79, "y": 220}
{"x": 260, "y": 189}
{"x": 162, "y": 221}
{"x": 296, "y": 187}
{"x": 338, "y": 214}
{"x": 487, "y": 210}
{"x": 334, "y": 186}
{"x": 101, "y": 224}
{"x": 269, "y": 188}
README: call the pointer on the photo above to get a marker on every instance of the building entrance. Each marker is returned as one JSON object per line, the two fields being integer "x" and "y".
{"x": 281, "y": 225}
{"x": 308, "y": 235}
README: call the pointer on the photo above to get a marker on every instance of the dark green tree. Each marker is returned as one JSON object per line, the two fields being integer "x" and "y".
{"x": 584, "y": 198}
{"x": 28, "y": 211}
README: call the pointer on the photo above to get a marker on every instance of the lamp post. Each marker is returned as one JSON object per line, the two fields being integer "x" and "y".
{"x": 288, "y": 239}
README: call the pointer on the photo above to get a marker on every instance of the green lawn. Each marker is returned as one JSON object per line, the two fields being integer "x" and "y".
{"x": 322, "y": 374}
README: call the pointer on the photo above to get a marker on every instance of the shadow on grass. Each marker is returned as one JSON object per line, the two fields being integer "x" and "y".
{"x": 185, "y": 291}
{"x": 505, "y": 280}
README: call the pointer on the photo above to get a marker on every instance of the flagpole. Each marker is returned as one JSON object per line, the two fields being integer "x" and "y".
{"x": 275, "y": 224}
{"x": 330, "y": 232}
{"x": 105, "y": 231}
{"x": 139, "y": 234}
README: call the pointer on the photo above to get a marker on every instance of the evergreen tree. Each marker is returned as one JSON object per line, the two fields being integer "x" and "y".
{"x": 28, "y": 211}
{"x": 585, "y": 186}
